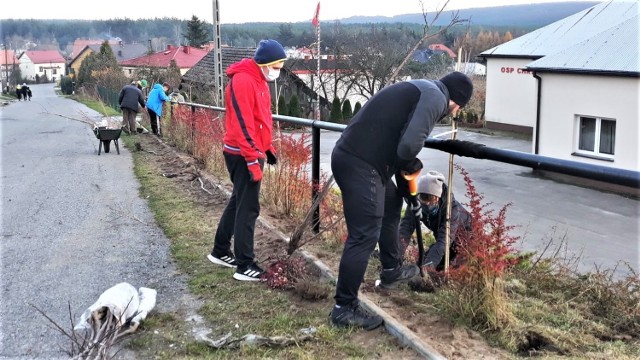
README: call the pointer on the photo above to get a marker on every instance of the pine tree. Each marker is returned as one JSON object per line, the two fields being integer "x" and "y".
{"x": 282, "y": 106}
{"x": 294, "y": 106}
{"x": 347, "y": 114}
{"x": 336, "y": 112}
{"x": 197, "y": 34}
{"x": 357, "y": 108}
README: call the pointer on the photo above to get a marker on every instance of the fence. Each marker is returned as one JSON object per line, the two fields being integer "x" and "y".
{"x": 604, "y": 174}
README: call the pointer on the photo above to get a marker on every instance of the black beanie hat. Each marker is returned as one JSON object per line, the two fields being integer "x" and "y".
{"x": 460, "y": 87}
{"x": 269, "y": 52}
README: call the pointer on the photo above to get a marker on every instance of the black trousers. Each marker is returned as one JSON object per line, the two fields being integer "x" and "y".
{"x": 239, "y": 217}
{"x": 153, "y": 119}
{"x": 372, "y": 213}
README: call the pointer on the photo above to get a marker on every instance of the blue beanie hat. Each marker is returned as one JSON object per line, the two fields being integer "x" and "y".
{"x": 269, "y": 52}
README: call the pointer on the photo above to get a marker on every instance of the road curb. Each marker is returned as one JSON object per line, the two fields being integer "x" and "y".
{"x": 405, "y": 335}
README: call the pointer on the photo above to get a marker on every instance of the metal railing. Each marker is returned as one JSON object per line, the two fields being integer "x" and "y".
{"x": 623, "y": 177}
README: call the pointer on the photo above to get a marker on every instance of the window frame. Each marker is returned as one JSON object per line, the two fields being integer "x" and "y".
{"x": 595, "y": 154}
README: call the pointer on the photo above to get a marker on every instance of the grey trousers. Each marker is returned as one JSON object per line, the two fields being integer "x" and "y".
{"x": 129, "y": 119}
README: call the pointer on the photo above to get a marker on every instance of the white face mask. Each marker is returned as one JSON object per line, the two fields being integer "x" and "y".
{"x": 272, "y": 74}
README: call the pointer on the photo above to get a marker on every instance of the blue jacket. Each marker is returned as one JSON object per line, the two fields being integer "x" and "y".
{"x": 156, "y": 99}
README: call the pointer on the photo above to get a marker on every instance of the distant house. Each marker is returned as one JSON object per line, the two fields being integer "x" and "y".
{"x": 80, "y": 44}
{"x": 575, "y": 84}
{"x": 8, "y": 61}
{"x": 185, "y": 57}
{"x": 200, "y": 79}
{"x": 442, "y": 48}
{"x": 121, "y": 51}
{"x": 43, "y": 63}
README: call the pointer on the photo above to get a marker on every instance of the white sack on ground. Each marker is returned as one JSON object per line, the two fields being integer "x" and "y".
{"x": 124, "y": 302}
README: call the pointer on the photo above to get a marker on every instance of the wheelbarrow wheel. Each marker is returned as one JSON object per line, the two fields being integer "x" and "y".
{"x": 107, "y": 145}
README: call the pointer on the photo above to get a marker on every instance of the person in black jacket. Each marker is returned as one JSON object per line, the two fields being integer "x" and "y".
{"x": 383, "y": 140}
{"x": 432, "y": 195}
{"x": 129, "y": 98}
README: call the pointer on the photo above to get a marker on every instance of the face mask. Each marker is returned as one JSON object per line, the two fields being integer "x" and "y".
{"x": 273, "y": 74}
{"x": 432, "y": 209}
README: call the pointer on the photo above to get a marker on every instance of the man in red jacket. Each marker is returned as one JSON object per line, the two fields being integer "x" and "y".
{"x": 247, "y": 143}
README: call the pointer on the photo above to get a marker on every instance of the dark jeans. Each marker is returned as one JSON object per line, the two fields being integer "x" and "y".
{"x": 372, "y": 213}
{"x": 239, "y": 217}
{"x": 153, "y": 119}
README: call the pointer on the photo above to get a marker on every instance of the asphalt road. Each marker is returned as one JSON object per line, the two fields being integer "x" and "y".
{"x": 599, "y": 229}
{"x": 73, "y": 224}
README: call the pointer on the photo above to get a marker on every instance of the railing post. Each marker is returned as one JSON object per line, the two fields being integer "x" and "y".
{"x": 193, "y": 129}
{"x": 315, "y": 175}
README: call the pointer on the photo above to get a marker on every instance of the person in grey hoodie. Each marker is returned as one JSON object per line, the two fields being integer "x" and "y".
{"x": 129, "y": 98}
{"x": 383, "y": 140}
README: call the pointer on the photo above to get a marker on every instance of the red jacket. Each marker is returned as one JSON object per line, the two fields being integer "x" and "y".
{"x": 248, "y": 120}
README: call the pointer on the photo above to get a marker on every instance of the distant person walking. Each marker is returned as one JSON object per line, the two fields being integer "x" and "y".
{"x": 129, "y": 98}
{"x": 155, "y": 101}
{"x": 19, "y": 91}
{"x": 24, "y": 90}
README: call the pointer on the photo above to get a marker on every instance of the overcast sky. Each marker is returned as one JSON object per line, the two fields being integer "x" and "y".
{"x": 233, "y": 11}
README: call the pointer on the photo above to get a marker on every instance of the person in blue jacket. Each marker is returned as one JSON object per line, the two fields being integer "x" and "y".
{"x": 156, "y": 99}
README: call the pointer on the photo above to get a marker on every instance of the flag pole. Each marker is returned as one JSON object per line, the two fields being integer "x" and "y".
{"x": 318, "y": 69}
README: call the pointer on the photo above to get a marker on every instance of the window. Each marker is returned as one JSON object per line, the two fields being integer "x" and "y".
{"x": 596, "y": 137}
{"x": 54, "y": 71}
{"x": 40, "y": 68}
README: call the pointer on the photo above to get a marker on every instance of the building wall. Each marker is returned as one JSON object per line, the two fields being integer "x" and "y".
{"x": 75, "y": 65}
{"x": 565, "y": 97}
{"x": 29, "y": 70}
{"x": 511, "y": 95}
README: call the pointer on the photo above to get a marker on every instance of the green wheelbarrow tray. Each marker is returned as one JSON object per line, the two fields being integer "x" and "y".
{"x": 105, "y": 136}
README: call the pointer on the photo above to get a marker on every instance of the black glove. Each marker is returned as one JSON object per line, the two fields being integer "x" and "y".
{"x": 412, "y": 166}
{"x": 271, "y": 158}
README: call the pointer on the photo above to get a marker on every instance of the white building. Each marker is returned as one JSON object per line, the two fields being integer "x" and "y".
{"x": 44, "y": 63}
{"x": 512, "y": 90}
{"x": 575, "y": 85}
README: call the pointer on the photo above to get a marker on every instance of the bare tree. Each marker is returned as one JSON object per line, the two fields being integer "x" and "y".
{"x": 426, "y": 35}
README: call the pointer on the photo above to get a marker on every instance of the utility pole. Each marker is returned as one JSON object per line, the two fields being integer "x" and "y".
{"x": 6, "y": 66}
{"x": 217, "y": 54}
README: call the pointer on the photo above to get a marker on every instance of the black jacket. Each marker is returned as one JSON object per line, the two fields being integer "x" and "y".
{"x": 390, "y": 129}
{"x": 460, "y": 223}
{"x": 129, "y": 98}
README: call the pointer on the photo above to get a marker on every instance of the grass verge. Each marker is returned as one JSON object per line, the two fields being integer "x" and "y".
{"x": 229, "y": 305}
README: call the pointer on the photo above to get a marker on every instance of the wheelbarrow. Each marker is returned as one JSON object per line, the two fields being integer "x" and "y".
{"x": 105, "y": 136}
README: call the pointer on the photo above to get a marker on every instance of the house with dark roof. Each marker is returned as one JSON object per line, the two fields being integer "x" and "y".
{"x": 185, "y": 58}
{"x": 80, "y": 44}
{"x": 575, "y": 84}
{"x": 43, "y": 63}
{"x": 120, "y": 50}
{"x": 199, "y": 80}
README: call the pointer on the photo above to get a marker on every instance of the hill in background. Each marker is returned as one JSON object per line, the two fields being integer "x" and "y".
{"x": 531, "y": 15}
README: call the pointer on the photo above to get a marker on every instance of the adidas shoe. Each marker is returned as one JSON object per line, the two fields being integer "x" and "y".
{"x": 226, "y": 260}
{"x": 389, "y": 279}
{"x": 251, "y": 273}
{"x": 356, "y": 316}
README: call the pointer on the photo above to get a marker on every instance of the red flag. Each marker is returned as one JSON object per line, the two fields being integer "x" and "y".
{"x": 316, "y": 16}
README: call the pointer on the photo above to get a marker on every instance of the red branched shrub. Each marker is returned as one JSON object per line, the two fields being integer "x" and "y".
{"x": 485, "y": 256}
{"x": 287, "y": 186}
{"x": 284, "y": 272}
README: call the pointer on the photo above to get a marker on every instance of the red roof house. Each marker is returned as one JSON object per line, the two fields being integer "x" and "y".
{"x": 443, "y": 48}
{"x": 43, "y": 63}
{"x": 184, "y": 56}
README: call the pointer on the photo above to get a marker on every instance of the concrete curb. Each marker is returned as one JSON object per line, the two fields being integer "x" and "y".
{"x": 405, "y": 335}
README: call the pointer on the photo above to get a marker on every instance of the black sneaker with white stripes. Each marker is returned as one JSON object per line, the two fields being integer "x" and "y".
{"x": 252, "y": 272}
{"x": 225, "y": 260}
